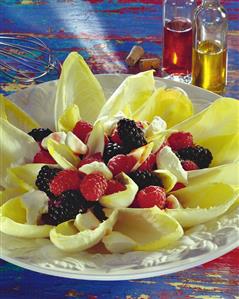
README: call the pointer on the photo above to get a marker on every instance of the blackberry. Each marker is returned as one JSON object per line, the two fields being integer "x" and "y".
{"x": 66, "y": 207}
{"x": 44, "y": 177}
{"x": 131, "y": 135}
{"x": 113, "y": 149}
{"x": 145, "y": 178}
{"x": 40, "y": 133}
{"x": 198, "y": 154}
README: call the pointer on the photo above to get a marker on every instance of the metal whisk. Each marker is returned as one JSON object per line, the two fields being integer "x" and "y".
{"x": 25, "y": 58}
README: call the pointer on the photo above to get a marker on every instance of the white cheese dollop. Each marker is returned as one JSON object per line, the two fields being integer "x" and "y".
{"x": 166, "y": 159}
{"x": 110, "y": 124}
{"x": 157, "y": 125}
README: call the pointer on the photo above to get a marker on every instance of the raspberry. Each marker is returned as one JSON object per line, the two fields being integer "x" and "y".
{"x": 145, "y": 178}
{"x": 198, "y": 154}
{"x": 111, "y": 150}
{"x": 180, "y": 140}
{"x": 151, "y": 196}
{"x": 65, "y": 180}
{"x": 44, "y": 177}
{"x": 95, "y": 157}
{"x": 115, "y": 137}
{"x": 40, "y": 133}
{"x": 93, "y": 186}
{"x": 178, "y": 186}
{"x": 43, "y": 157}
{"x": 121, "y": 163}
{"x": 189, "y": 165}
{"x": 114, "y": 187}
{"x": 66, "y": 207}
{"x": 82, "y": 130}
{"x": 131, "y": 135}
{"x": 149, "y": 163}
{"x": 106, "y": 140}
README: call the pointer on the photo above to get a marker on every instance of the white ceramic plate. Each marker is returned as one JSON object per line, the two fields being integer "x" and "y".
{"x": 199, "y": 245}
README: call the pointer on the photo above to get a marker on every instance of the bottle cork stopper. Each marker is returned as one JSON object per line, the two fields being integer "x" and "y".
{"x": 134, "y": 55}
{"x": 149, "y": 63}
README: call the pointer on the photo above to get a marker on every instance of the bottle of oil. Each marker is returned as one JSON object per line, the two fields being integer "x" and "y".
{"x": 209, "y": 63}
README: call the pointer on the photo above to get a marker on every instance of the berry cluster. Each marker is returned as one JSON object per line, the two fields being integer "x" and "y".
{"x": 192, "y": 156}
{"x": 71, "y": 192}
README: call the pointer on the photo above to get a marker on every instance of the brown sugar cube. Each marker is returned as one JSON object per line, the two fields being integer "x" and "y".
{"x": 149, "y": 63}
{"x": 134, "y": 55}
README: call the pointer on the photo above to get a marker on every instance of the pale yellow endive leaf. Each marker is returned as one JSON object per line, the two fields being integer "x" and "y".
{"x": 9, "y": 193}
{"x": 62, "y": 154}
{"x": 69, "y": 118}
{"x": 23, "y": 176}
{"x": 130, "y": 95}
{"x": 167, "y": 178}
{"x": 203, "y": 202}
{"x": 151, "y": 229}
{"x": 96, "y": 140}
{"x": 66, "y": 237}
{"x": 13, "y": 221}
{"x": 172, "y": 105}
{"x": 121, "y": 199}
{"x": 16, "y": 148}
{"x": 227, "y": 174}
{"x": 16, "y": 116}
{"x": 77, "y": 85}
{"x": 216, "y": 128}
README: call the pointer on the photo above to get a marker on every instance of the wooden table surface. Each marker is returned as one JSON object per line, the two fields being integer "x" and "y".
{"x": 104, "y": 32}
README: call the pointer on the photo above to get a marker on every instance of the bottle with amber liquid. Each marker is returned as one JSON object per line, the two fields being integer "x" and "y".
{"x": 177, "y": 38}
{"x": 209, "y": 64}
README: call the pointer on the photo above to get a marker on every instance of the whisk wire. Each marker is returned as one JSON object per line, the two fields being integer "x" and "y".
{"x": 25, "y": 58}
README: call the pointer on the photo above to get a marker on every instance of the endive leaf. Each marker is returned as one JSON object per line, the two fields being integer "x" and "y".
{"x": 151, "y": 229}
{"x": 216, "y": 128}
{"x": 168, "y": 179}
{"x": 66, "y": 237}
{"x": 141, "y": 154}
{"x": 69, "y": 118}
{"x": 62, "y": 154}
{"x": 16, "y": 116}
{"x": 23, "y": 176}
{"x": 16, "y": 147}
{"x": 227, "y": 174}
{"x": 77, "y": 85}
{"x": 130, "y": 95}
{"x": 116, "y": 242}
{"x": 171, "y": 104}
{"x": 202, "y": 203}
{"x": 121, "y": 199}
{"x": 13, "y": 221}
{"x": 96, "y": 141}
{"x": 9, "y": 193}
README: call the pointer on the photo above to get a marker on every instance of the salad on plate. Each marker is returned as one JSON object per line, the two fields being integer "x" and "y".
{"x": 131, "y": 173}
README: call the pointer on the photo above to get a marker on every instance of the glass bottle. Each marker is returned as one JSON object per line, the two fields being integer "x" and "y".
{"x": 209, "y": 67}
{"x": 177, "y": 38}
